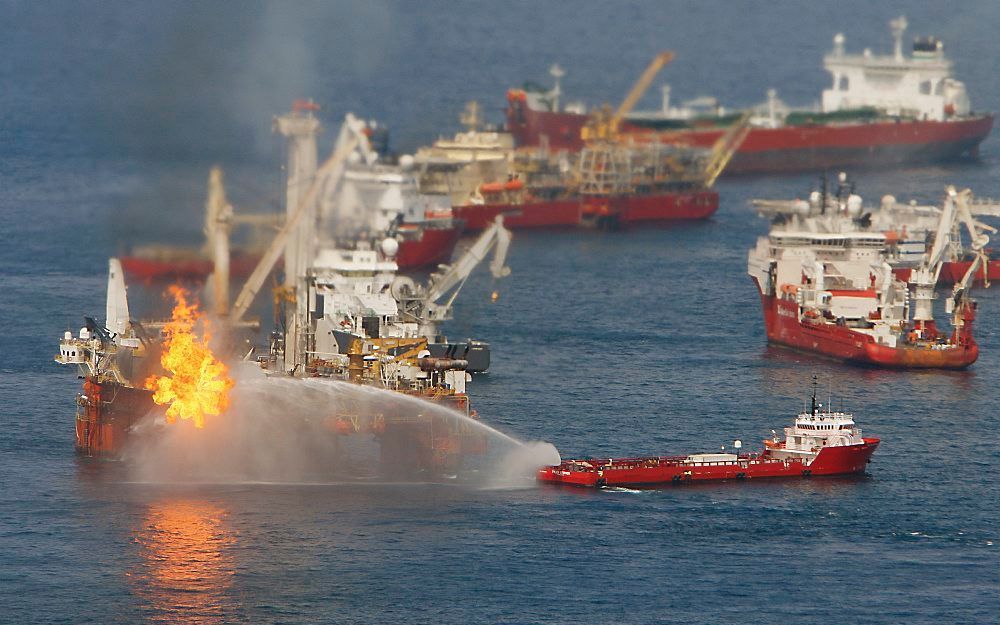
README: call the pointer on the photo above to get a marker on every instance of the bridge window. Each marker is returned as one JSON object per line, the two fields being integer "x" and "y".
{"x": 844, "y": 83}
{"x": 925, "y": 87}
{"x": 939, "y": 88}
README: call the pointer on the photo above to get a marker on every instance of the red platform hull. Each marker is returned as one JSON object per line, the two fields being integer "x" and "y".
{"x": 105, "y": 416}
{"x": 107, "y": 413}
{"x": 658, "y": 471}
{"x": 791, "y": 148}
{"x": 843, "y": 343}
{"x": 617, "y": 211}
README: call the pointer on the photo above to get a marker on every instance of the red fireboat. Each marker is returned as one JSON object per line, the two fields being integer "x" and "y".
{"x": 821, "y": 442}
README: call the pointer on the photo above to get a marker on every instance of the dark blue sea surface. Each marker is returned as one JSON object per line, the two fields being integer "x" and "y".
{"x": 647, "y": 341}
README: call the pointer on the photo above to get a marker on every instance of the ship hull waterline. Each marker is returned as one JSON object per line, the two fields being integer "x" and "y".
{"x": 798, "y": 148}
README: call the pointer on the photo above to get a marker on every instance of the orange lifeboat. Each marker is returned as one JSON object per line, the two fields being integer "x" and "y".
{"x": 431, "y": 214}
{"x": 513, "y": 185}
{"x": 490, "y": 188}
{"x": 517, "y": 95}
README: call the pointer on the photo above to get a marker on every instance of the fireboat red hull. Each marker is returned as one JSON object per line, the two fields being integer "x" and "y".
{"x": 612, "y": 211}
{"x": 662, "y": 470}
{"x": 806, "y": 147}
{"x": 781, "y": 320}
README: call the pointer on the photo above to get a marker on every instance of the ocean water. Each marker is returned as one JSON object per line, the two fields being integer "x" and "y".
{"x": 647, "y": 341}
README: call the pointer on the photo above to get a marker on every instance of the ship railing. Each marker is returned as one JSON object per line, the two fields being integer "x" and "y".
{"x": 657, "y": 461}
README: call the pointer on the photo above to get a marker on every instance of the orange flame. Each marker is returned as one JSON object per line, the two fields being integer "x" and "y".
{"x": 200, "y": 383}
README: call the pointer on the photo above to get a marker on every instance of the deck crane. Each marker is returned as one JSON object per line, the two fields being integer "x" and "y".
{"x": 725, "y": 147}
{"x": 981, "y": 259}
{"x": 358, "y": 129}
{"x": 603, "y": 126}
{"x": 924, "y": 278}
{"x": 430, "y": 304}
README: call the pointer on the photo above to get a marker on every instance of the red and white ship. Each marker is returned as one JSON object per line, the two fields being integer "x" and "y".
{"x": 608, "y": 184}
{"x": 881, "y": 110}
{"x": 828, "y": 288}
{"x": 374, "y": 199}
{"x": 821, "y": 442}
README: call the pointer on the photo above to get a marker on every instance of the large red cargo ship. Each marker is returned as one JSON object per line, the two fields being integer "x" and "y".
{"x": 821, "y": 442}
{"x": 806, "y": 147}
{"x": 924, "y": 117}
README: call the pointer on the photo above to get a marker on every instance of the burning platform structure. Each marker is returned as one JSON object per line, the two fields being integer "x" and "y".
{"x": 342, "y": 313}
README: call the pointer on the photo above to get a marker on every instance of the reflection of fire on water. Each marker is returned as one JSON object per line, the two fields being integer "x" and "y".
{"x": 199, "y": 384}
{"x": 187, "y": 563}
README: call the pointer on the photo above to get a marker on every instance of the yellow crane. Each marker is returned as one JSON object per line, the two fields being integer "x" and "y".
{"x": 725, "y": 148}
{"x": 603, "y": 125}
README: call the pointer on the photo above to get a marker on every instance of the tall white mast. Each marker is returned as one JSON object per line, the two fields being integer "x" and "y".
{"x": 300, "y": 127}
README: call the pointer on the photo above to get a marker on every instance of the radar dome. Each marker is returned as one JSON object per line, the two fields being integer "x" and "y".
{"x": 801, "y": 207}
{"x": 854, "y": 204}
{"x": 406, "y": 161}
{"x": 888, "y": 201}
{"x": 814, "y": 199}
{"x": 353, "y": 158}
{"x": 390, "y": 247}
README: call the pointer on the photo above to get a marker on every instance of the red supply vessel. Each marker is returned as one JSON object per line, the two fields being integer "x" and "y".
{"x": 826, "y": 286}
{"x": 821, "y": 442}
{"x": 611, "y": 183}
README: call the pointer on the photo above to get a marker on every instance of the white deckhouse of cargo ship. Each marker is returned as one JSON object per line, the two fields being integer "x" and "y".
{"x": 918, "y": 86}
